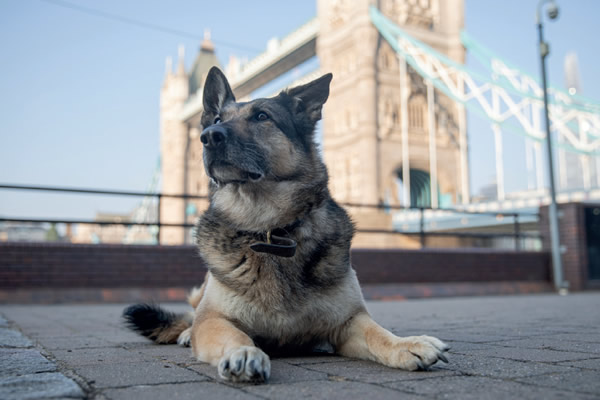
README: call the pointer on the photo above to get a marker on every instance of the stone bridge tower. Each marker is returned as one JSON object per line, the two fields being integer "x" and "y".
{"x": 363, "y": 120}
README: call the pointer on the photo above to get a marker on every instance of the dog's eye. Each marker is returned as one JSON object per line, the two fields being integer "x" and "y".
{"x": 262, "y": 116}
{"x": 217, "y": 120}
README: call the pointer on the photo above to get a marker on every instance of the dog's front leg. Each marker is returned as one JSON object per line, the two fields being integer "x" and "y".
{"x": 364, "y": 338}
{"x": 218, "y": 342}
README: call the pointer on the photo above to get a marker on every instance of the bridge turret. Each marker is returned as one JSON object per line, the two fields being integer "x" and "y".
{"x": 173, "y": 136}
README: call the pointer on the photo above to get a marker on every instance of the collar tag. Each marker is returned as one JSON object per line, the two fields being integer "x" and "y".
{"x": 277, "y": 244}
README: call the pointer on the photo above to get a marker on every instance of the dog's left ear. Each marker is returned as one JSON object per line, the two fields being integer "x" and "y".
{"x": 217, "y": 91}
{"x": 309, "y": 99}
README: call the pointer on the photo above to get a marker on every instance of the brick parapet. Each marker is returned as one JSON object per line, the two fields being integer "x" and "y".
{"x": 46, "y": 265}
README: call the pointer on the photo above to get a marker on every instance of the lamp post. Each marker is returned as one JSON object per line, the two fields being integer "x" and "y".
{"x": 559, "y": 283}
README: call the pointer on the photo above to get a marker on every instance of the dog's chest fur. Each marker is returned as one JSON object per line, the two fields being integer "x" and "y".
{"x": 278, "y": 297}
{"x": 292, "y": 320}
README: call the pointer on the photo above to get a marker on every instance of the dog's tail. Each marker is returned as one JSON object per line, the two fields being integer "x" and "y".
{"x": 156, "y": 323}
{"x": 160, "y": 325}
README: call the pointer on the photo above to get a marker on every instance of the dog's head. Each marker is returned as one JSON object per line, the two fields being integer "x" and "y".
{"x": 264, "y": 140}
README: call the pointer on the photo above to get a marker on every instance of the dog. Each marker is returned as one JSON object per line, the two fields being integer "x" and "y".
{"x": 277, "y": 247}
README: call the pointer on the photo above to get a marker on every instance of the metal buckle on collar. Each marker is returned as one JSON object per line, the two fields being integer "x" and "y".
{"x": 278, "y": 243}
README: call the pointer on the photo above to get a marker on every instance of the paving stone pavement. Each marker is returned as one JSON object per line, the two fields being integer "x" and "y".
{"x": 527, "y": 347}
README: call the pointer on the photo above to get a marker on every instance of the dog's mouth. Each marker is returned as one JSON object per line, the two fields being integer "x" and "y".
{"x": 223, "y": 172}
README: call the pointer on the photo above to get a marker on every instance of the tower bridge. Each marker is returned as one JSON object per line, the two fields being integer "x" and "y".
{"x": 395, "y": 126}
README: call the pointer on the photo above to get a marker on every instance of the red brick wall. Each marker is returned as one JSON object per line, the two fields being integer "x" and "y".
{"x": 39, "y": 265}
{"x": 450, "y": 265}
{"x": 49, "y": 265}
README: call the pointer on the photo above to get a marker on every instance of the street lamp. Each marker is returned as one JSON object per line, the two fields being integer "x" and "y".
{"x": 559, "y": 283}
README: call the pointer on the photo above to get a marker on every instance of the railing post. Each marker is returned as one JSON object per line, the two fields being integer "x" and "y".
{"x": 158, "y": 218}
{"x": 517, "y": 231}
{"x": 422, "y": 226}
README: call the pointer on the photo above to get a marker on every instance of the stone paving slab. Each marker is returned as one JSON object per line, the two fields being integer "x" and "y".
{"x": 334, "y": 389}
{"x": 12, "y": 338}
{"x": 23, "y": 362}
{"x": 552, "y": 343}
{"x": 502, "y": 368}
{"x": 530, "y": 347}
{"x": 535, "y": 355}
{"x": 592, "y": 363}
{"x": 26, "y": 374}
{"x": 369, "y": 372}
{"x": 135, "y": 373}
{"x": 182, "y": 391}
{"x": 481, "y": 388}
{"x": 580, "y": 381}
{"x": 73, "y": 342}
{"x": 102, "y": 355}
{"x": 281, "y": 372}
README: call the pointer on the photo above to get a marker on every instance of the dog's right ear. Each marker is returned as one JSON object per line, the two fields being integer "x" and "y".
{"x": 217, "y": 91}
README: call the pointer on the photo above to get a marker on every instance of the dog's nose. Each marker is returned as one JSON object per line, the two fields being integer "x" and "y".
{"x": 213, "y": 136}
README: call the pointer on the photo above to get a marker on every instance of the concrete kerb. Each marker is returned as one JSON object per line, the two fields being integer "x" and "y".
{"x": 27, "y": 370}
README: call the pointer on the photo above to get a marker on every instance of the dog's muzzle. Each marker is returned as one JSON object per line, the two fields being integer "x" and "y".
{"x": 224, "y": 158}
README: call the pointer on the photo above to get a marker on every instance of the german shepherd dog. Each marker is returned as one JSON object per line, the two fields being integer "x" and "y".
{"x": 277, "y": 247}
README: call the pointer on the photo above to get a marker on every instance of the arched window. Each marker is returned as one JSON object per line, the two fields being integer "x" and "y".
{"x": 420, "y": 187}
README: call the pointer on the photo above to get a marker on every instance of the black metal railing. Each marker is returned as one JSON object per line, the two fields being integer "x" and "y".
{"x": 516, "y": 233}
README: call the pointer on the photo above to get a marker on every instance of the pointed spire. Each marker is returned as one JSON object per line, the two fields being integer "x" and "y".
{"x": 181, "y": 60}
{"x": 207, "y": 44}
{"x": 169, "y": 66}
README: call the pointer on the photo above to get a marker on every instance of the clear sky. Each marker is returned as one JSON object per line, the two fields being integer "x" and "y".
{"x": 79, "y": 93}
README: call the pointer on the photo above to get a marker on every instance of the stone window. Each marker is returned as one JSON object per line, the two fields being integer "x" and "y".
{"x": 416, "y": 112}
{"x": 387, "y": 58}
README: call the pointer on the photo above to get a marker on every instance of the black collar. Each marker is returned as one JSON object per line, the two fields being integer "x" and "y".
{"x": 278, "y": 241}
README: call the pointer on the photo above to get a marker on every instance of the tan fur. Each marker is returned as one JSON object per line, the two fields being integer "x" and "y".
{"x": 213, "y": 336}
{"x": 195, "y": 296}
{"x": 170, "y": 335}
{"x": 344, "y": 321}
{"x": 321, "y": 317}
{"x": 260, "y": 208}
{"x": 364, "y": 338}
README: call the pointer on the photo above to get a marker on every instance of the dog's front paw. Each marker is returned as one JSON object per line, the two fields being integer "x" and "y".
{"x": 185, "y": 337}
{"x": 245, "y": 364}
{"x": 420, "y": 352}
